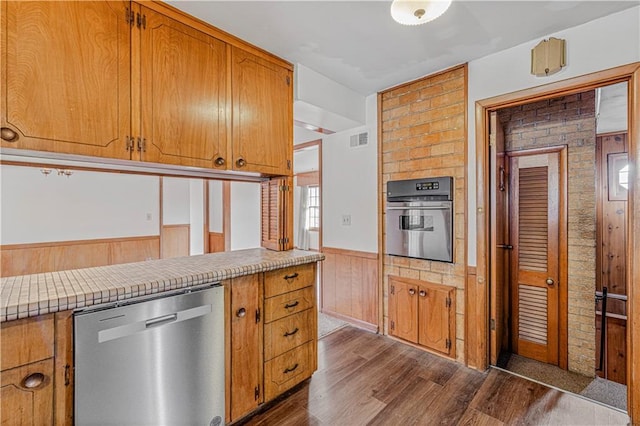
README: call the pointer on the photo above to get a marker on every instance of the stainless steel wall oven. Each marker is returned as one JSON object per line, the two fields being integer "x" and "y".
{"x": 419, "y": 218}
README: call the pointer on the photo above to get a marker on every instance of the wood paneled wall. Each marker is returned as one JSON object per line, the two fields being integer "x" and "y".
{"x": 22, "y": 259}
{"x": 175, "y": 241}
{"x": 350, "y": 286}
{"x": 216, "y": 242}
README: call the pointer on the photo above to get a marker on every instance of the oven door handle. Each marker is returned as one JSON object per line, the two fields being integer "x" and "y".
{"x": 421, "y": 208}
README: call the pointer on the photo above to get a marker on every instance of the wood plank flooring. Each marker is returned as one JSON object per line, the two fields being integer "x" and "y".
{"x": 368, "y": 379}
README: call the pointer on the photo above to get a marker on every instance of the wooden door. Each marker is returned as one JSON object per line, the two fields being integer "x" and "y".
{"x": 434, "y": 318}
{"x": 27, "y": 394}
{"x": 66, "y": 77}
{"x": 499, "y": 284}
{"x": 403, "y": 309}
{"x": 182, "y": 93}
{"x": 611, "y": 213}
{"x": 262, "y": 97}
{"x": 246, "y": 345}
{"x": 276, "y": 204}
{"x": 535, "y": 217}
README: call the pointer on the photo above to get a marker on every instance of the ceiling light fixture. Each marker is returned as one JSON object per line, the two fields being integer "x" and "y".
{"x": 416, "y": 12}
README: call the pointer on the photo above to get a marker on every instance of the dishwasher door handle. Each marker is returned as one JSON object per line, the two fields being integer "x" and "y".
{"x": 155, "y": 322}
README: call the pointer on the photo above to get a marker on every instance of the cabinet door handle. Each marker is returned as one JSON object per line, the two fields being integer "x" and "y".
{"x": 8, "y": 134}
{"x": 289, "y": 370}
{"x": 241, "y": 313}
{"x": 287, "y": 334}
{"x": 241, "y": 162}
{"x": 412, "y": 291}
{"x": 291, "y": 276}
{"x": 291, "y": 305}
{"x": 33, "y": 380}
{"x": 423, "y": 293}
{"x": 219, "y": 161}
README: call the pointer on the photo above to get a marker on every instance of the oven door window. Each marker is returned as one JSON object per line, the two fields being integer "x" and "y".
{"x": 416, "y": 222}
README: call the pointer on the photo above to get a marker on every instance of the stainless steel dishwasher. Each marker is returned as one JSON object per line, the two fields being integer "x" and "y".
{"x": 152, "y": 361}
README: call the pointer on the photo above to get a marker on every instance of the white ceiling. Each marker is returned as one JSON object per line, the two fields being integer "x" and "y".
{"x": 357, "y": 44}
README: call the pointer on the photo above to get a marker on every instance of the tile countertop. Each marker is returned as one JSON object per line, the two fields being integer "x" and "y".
{"x": 30, "y": 295}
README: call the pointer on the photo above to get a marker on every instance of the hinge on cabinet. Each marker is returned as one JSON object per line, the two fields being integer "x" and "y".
{"x": 392, "y": 325}
{"x": 288, "y": 81}
{"x": 256, "y": 392}
{"x": 448, "y": 343}
{"x": 130, "y": 16}
{"x": 130, "y": 142}
{"x": 142, "y": 144}
{"x": 447, "y": 302}
{"x": 288, "y": 164}
{"x": 141, "y": 21}
{"x": 284, "y": 188}
{"x": 67, "y": 375}
{"x": 492, "y": 324}
{"x": 258, "y": 315}
{"x": 393, "y": 289}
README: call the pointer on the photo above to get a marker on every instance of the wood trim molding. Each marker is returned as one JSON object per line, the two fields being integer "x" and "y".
{"x": 6, "y": 247}
{"x": 301, "y": 146}
{"x": 353, "y": 321}
{"x": 308, "y": 178}
{"x": 381, "y": 241}
{"x": 176, "y": 225}
{"x": 631, "y": 74}
{"x": 352, "y": 253}
{"x": 471, "y": 270}
{"x": 226, "y": 214}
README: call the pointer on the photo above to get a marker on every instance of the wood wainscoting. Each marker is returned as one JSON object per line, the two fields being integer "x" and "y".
{"x": 175, "y": 241}
{"x": 350, "y": 287}
{"x": 34, "y": 258}
{"x": 216, "y": 242}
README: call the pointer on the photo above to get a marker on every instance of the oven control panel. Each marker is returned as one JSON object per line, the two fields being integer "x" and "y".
{"x": 427, "y": 186}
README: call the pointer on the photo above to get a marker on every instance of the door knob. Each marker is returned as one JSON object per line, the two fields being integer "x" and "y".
{"x": 241, "y": 312}
{"x": 550, "y": 282}
{"x": 219, "y": 161}
{"x": 33, "y": 380}
{"x": 241, "y": 162}
{"x": 412, "y": 291}
{"x": 423, "y": 293}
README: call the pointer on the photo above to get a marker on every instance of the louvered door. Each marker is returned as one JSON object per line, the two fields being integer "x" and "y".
{"x": 277, "y": 214}
{"x": 535, "y": 198}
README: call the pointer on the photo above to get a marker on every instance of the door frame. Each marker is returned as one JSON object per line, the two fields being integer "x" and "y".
{"x": 563, "y": 247}
{"x": 478, "y": 316}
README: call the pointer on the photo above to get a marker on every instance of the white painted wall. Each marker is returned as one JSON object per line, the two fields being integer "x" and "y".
{"x": 305, "y": 160}
{"x": 196, "y": 216}
{"x": 350, "y": 187}
{"x": 175, "y": 201}
{"x": 604, "y": 43}
{"x": 245, "y": 215}
{"x": 215, "y": 206}
{"x": 86, "y": 205}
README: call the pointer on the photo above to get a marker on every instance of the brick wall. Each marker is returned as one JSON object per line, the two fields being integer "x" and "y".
{"x": 570, "y": 121}
{"x": 423, "y": 135}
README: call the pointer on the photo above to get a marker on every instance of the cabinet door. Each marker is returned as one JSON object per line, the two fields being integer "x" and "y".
{"x": 246, "y": 345}
{"x": 182, "y": 93}
{"x": 403, "y": 310}
{"x": 27, "y": 394}
{"x": 66, "y": 77}
{"x": 262, "y": 97}
{"x": 435, "y": 318}
{"x": 276, "y": 206}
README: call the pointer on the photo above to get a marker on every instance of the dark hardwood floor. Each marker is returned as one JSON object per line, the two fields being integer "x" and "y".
{"x": 368, "y": 379}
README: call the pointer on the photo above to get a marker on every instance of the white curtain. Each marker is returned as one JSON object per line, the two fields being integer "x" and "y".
{"x": 303, "y": 220}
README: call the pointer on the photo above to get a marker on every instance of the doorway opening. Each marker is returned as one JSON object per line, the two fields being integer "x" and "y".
{"x": 558, "y": 241}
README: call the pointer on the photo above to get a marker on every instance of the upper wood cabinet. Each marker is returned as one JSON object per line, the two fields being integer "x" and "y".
{"x": 66, "y": 78}
{"x": 423, "y": 313}
{"x": 262, "y": 99}
{"x": 122, "y": 80}
{"x": 182, "y": 93}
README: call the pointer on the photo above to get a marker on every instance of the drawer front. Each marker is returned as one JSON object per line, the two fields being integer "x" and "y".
{"x": 27, "y": 340}
{"x": 289, "y": 279}
{"x": 287, "y": 333}
{"x": 287, "y": 370}
{"x": 289, "y": 303}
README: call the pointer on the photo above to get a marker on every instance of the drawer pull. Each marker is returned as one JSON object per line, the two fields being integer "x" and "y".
{"x": 289, "y": 370}
{"x": 34, "y": 380}
{"x": 287, "y": 334}
{"x": 291, "y": 305}
{"x": 291, "y": 276}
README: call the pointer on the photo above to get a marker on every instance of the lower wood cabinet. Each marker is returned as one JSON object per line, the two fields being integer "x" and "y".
{"x": 35, "y": 379}
{"x": 273, "y": 336}
{"x": 423, "y": 313}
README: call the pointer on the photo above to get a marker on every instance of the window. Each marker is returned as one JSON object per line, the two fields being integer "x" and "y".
{"x": 313, "y": 211}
